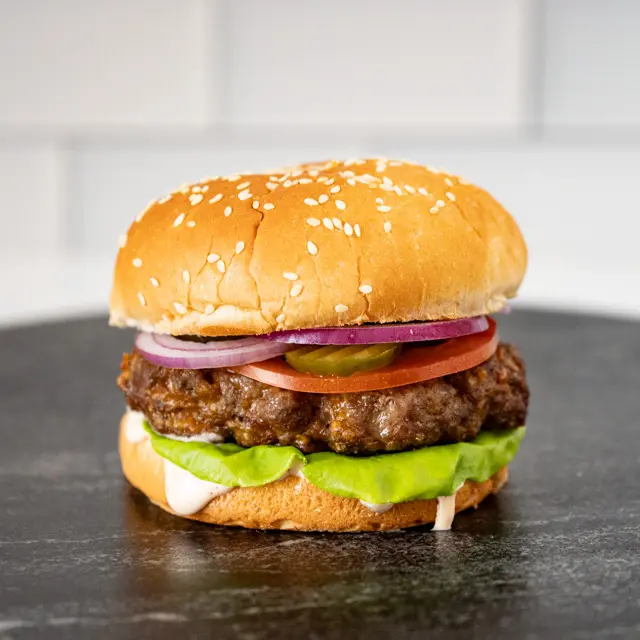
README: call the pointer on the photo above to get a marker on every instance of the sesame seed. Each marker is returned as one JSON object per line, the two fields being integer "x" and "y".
{"x": 215, "y": 198}
{"x": 243, "y": 185}
{"x": 311, "y": 202}
{"x": 347, "y": 174}
{"x": 439, "y": 203}
{"x": 379, "y": 201}
{"x": 348, "y": 229}
{"x": 365, "y": 288}
{"x": 296, "y": 290}
{"x": 450, "y": 196}
{"x": 356, "y": 228}
{"x": 335, "y": 189}
{"x": 312, "y": 248}
{"x": 448, "y": 182}
{"x": 273, "y": 178}
{"x": 341, "y": 308}
{"x": 386, "y": 187}
{"x": 323, "y": 198}
{"x": 154, "y": 282}
{"x": 191, "y": 224}
{"x": 196, "y": 188}
{"x": 434, "y": 210}
{"x": 329, "y": 182}
{"x": 221, "y": 267}
{"x": 186, "y": 276}
{"x": 271, "y": 186}
{"x": 409, "y": 189}
{"x": 239, "y": 247}
{"x": 180, "y": 308}
{"x": 387, "y": 226}
{"x": 321, "y": 179}
{"x": 255, "y": 204}
{"x": 233, "y": 178}
{"x": 341, "y": 205}
{"x": 313, "y": 222}
{"x": 387, "y": 181}
{"x": 281, "y": 318}
{"x": 289, "y": 275}
{"x": 227, "y": 211}
{"x": 398, "y": 190}
{"x": 351, "y": 182}
{"x": 305, "y": 181}
{"x": 268, "y": 206}
{"x": 313, "y": 172}
{"x": 178, "y": 221}
{"x": 136, "y": 262}
{"x": 244, "y": 195}
{"x": 384, "y": 208}
{"x": 337, "y": 223}
{"x": 208, "y": 310}
{"x": 122, "y": 240}
{"x": 395, "y": 163}
{"x": 423, "y": 192}
{"x": 143, "y": 302}
{"x": 213, "y": 257}
{"x": 205, "y": 188}
{"x": 296, "y": 173}
{"x": 327, "y": 223}
{"x": 165, "y": 199}
{"x": 195, "y": 198}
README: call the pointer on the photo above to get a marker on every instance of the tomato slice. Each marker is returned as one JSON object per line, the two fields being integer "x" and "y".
{"x": 414, "y": 364}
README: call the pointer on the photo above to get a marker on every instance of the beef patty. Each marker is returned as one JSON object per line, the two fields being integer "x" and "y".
{"x": 234, "y": 408}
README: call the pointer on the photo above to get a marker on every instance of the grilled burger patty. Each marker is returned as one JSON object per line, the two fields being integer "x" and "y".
{"x": 234, "y": 408}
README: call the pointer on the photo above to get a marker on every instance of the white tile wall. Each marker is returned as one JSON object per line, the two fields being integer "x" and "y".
{"x": 31, "y": 183}
{"x": 106, "y": 104}
{"x": 425, "y": 62}
{"x": 71, "y": 63}
{"x": 592, "y": 63}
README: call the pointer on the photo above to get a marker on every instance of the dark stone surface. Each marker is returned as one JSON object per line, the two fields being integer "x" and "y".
{"x": 555, "y": 555}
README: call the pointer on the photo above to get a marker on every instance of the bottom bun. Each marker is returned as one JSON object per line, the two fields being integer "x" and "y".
{"x": 292, "y": 503}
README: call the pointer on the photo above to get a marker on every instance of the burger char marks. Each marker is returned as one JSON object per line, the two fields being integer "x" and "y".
{"x": 493, "y": 395}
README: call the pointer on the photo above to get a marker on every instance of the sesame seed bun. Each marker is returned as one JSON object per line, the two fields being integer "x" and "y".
{"x": 330, "y": 244}
{"x": 292, "y": 503}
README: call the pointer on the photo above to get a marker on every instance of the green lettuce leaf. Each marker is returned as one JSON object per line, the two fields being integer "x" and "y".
{"x": 414, "y": 475}
{"x": 387, "y": 478}
{"x": 228, "y": 464}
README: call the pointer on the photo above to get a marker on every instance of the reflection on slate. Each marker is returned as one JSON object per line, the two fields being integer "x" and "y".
{"x": 83, "y": 555}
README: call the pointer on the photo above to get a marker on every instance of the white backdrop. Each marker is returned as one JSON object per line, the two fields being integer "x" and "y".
{"x": 107, "y": 104}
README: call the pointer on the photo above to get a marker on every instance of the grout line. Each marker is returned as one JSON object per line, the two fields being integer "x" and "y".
{"x": 70, "y": 235}
{"x": 536, "y": 72}
{"x": 265, "y": 137}
{"x": 221, "y": 50}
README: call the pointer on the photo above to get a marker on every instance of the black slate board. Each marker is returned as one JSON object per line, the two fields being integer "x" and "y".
{"x": 82, "y": 555}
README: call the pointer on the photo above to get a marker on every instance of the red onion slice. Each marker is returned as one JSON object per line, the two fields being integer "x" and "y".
{"x": 378, "y": 333}
{"x": 227, "y": 353}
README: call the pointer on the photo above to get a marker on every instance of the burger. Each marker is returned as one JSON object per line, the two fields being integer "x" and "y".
{"x": 315, "y": 348}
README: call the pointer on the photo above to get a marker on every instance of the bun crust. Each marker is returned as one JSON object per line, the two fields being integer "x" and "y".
{"x": 329, "y": 244}
{"x": 292, "y": 503}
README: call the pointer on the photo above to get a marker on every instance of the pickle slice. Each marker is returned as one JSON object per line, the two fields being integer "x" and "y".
{"x": 342, "y": 361}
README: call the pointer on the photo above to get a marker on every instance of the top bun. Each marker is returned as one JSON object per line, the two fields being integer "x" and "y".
{"x": 325, "y": 244}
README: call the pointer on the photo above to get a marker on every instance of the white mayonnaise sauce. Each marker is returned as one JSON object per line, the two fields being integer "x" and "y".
{"x": 133, "y": 429}
{"x": 377, "y": 508}
{"x": 187, "y": 494}
{"x": 210, "y": 438}
{"x": 445, "y": 513}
